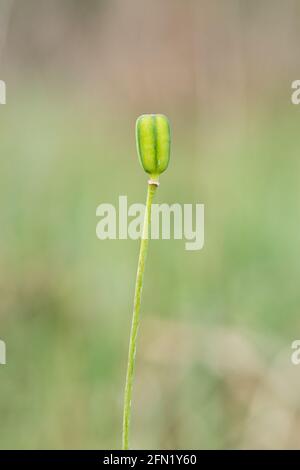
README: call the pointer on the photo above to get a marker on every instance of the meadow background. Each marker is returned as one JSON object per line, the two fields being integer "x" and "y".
{"x": 213, "y": 365}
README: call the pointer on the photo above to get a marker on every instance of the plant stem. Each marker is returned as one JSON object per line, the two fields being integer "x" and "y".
{"x": 136, "y": 316}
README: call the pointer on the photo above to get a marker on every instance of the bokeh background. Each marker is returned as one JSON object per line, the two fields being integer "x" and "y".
{"x": 213, "y": 366}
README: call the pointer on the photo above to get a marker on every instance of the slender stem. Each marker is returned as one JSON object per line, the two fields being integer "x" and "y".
{"x": 136, "y": 317}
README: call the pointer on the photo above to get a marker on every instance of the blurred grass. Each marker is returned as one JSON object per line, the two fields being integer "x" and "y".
{"x": 66, "y": 297}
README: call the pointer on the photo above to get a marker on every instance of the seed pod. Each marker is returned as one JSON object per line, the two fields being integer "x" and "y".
{"x": 153, "y": 143}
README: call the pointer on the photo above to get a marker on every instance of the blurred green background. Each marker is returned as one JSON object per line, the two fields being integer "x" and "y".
{"x": 213, "y": 365}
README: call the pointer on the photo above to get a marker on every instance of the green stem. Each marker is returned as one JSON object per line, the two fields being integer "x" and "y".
{"x": 136, "y": 317}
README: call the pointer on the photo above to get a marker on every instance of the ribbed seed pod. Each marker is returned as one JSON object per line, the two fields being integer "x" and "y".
{"x": 153, "y": 143}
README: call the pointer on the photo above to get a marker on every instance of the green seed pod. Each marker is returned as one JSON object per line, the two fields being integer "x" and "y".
{"x": 153, "y": 143}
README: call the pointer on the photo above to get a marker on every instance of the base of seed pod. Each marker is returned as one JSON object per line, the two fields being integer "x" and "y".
{"x": 155, "y": 182}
